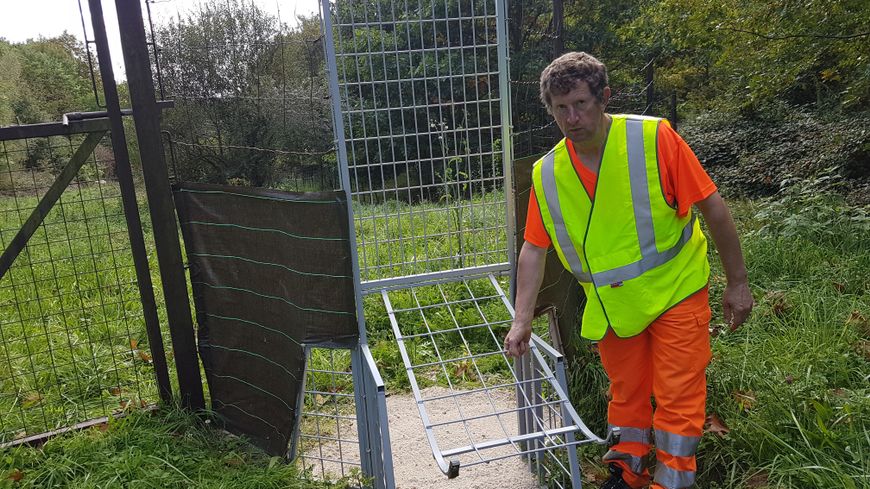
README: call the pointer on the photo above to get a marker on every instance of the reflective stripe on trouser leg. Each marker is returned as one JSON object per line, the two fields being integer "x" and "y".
{"x": 672, "y": 478}
{"x": 629, "y": 435}
{"x": 681, "y": 351}
{"x": 676, "y": 459}
{"x": 635, "y": 463}
{"x": 677, "y": 445}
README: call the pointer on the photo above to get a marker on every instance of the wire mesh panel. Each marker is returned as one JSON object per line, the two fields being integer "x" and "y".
{"x": 327, "y": 441}
{"x": 337, "y": 425}
{"x": 556, "y": 468}
{"x": 74, "y": 345}
{"x": 420, "y": 90}
{"x": 451, "y": 334}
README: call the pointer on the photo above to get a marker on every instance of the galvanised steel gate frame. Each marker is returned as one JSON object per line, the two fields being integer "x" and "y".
{"x": 421, "y": 110}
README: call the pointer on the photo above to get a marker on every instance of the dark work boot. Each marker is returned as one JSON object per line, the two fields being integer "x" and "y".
{"x": 615, "y": 481}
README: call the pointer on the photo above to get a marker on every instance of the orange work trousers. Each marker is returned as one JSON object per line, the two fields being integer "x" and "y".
{"x": 666, "y": 361}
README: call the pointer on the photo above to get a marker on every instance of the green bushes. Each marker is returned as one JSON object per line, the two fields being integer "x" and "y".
{"x": 758, "y": 153}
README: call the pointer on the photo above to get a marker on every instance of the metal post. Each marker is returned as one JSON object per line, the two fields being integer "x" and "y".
{"x": 650, "y": 89}
{"x": 131, "y": 210}
{"x": 357, "y": 362}
{"x": 343, "y": 170}
{"x": 504, "y": 95}
{"x": 573, "y": 463}
{"x": 160, "y": 204}
{"x": 558, "y": 23}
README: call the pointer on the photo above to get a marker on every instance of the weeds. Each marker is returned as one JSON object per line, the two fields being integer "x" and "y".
{"x": 168, "y": 449}
{"x": 791, "y": 386}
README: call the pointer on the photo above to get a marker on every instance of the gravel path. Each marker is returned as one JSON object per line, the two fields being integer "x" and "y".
{"x": 415, "y": 468}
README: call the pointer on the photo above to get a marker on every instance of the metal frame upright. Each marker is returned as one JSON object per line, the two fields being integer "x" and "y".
{"x": 420, "y": 95}
{"x": 369, "y": 391}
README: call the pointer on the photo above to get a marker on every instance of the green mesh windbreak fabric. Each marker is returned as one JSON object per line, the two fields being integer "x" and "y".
{"x": 559, "y": 289}
{"x": 270, "y": 271}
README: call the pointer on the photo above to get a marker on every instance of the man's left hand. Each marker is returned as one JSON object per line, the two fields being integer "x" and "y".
{"x": 737, "y": 303}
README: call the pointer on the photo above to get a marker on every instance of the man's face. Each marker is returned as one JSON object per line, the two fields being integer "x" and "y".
{"x": 578, "y": 113}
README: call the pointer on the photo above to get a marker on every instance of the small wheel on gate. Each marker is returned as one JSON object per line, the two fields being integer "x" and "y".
{"x": 453, "y": 470}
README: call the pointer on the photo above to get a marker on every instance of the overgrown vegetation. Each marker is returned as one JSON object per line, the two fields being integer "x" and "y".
{"x": 759, "y": 154}
{"x": 167, "y": 449}
{"x": 788, "y": 392}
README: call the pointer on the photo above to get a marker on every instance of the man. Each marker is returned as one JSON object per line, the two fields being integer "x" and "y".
{"x": 615, "y": 197}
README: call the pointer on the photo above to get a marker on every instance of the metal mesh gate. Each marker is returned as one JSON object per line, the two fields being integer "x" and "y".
{"x": 72, "y": 324}
{"x": 421, "y": 90}
{"x": 420, "y": 96}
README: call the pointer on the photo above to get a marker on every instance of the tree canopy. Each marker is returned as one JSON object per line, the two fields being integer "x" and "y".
{"x": 241, "y": 80}
{"x": 42, "y": 79}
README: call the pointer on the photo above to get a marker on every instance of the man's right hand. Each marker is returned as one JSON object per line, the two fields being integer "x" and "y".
{"x": 530, "y": 273}
{"x": 517, "y": 340}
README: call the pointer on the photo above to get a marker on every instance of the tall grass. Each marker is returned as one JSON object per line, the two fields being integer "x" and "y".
{"x": 169, "y": 449}
{"x": 73, "y": 338}
{"x": 793, "y": 384}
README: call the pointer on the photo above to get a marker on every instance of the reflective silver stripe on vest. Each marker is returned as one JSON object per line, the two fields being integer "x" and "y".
{"x": 672, "y": 478}
{"x": 677, "y": 445}
{"x": 640, "y": 189}
{"x": 650, "y": 256}
{"x": 636, "y": 269}
{"x": 632, "y": 434}
{"x": 635, "y": 464}
{"x": 548, "y": 181}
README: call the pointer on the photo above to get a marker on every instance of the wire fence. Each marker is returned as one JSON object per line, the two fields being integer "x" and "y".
{"x": 74, "y": 345}
{"x": 251, "y": 107}
{"x": 421, "y": 104}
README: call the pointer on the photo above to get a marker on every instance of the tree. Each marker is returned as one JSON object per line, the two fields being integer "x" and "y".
{"x": 249, "y": 94}
{"x": 54, "y": 79}
{"x": 745, "y": 54}
{"x": 10, "y": 85}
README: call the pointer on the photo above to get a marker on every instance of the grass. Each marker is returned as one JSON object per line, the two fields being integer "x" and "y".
{"x": 73, "y": 338}
{"x": 791, "y": 386}
{"x": 169, "y": 449}
{"x": 427, "y": 237}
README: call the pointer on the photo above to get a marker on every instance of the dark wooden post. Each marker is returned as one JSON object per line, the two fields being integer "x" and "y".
{"x": 558, "y": 26}
{"x": 146, "y": 116}
{"x": 131, "y": 209}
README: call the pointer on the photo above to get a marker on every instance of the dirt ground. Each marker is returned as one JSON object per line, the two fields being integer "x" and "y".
{"x": 414, "y": 465}
{"x": 415, "y": 468}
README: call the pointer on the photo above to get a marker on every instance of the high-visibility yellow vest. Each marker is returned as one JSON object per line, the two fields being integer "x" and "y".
{"x": 628, "y": 248}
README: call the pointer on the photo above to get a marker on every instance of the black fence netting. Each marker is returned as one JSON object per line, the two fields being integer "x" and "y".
{"x": 271, "y": 271}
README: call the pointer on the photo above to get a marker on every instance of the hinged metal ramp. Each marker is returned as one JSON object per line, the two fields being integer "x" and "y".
{"x": 452, "y": 333}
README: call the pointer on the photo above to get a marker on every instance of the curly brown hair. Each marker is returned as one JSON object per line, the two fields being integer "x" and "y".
{"x": 563, "y": 74}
